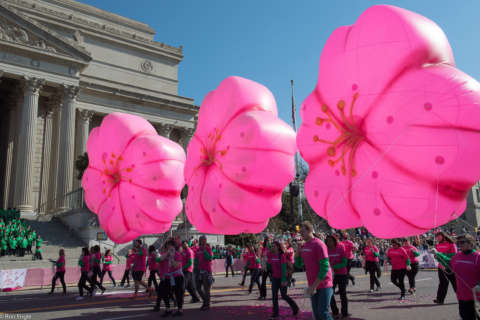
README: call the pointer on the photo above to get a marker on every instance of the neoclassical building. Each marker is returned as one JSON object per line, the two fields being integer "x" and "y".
{"x": 63, "y": 67}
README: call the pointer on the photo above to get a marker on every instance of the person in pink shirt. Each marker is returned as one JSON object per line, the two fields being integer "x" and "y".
{"x": 254, "y": 266}
{"x": 162, "y": 268}
{"x": 128, "y": 265}
{"x": 278, "y": 264}
{"x": 265, "y": 272}
{"x": 187, "y": 267}
{"x": 60, "y": 272}
{"x": 194, "y": 246}
{"x": 338, "y": 261}
{"x": 152, "y": 267}
{"x": 139, "y": 267}
{"x": 203, "y": 272}
{"x": 371, "y": 254}
{"x": 400, "y": 261}
{"x": 107, "y": 267}
{"x": 95, "y": 259}
{"x": 84, "y": 263}
{"x": 466, "y": 267}
{"x": 349, "y": 249}
{"x": 173, "y": 278}
{"x": 290, "y": 262}
{"x": 447, "y": 247}
{"x": 245, "y": 268}
{"x": 314, "y": 255}
{"x": 413, "y": 254}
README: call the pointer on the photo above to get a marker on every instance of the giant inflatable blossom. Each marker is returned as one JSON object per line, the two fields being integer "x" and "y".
{"x": 134, "y": 178}
{"x": 392, "y": 130}
{"x": 239, "y": 160}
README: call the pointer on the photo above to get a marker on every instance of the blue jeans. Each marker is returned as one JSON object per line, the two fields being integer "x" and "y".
{"x": 320, "y": 303}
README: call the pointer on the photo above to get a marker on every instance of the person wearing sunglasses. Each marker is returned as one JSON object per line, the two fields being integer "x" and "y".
{"x": 466, "y": 267}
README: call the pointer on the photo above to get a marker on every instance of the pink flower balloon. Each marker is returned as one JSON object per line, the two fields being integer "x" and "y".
{"x": 134, "y": 178}
{"x": 239, "y": 160}
{"x": 391, "y": 131}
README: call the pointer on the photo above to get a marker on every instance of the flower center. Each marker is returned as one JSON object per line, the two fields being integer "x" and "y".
{"x": 113, "y": 172}
{"x": 209, "y": 152}
{"x": 342, "y": 150}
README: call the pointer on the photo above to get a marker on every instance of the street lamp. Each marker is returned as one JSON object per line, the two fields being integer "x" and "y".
{"x": 297, "y": 162}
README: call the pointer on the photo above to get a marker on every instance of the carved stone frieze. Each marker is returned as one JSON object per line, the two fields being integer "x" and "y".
{"x": 14, "y": 33}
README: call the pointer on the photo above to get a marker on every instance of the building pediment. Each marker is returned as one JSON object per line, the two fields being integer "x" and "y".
{"x": 17, "y": 30}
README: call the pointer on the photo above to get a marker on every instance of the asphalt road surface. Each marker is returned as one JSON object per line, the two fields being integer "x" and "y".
{"x": 231, "y": 301}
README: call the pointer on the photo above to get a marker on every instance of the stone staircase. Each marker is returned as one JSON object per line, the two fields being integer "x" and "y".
{"x": 55, "y": 236}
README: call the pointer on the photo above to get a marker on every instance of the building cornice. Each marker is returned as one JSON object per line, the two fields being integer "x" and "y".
{"x": 82, "y": 23}
{"x": 172, "y": 101}
{"x": 112, "y": 17}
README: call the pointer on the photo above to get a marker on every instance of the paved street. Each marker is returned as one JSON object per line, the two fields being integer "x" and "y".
{"x": 230, "y": 301}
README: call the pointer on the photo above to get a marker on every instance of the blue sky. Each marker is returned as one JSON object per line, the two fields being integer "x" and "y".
{"x": 274, "y": 41}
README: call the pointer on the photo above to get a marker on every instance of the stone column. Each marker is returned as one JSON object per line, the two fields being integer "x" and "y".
{"x": 55, "y": 103}
{"x": 187, "y": 135}
{"x": 26, "y": 145}
{"x": 67, "y": 146}
{"x": 164, "y": 130}
{"x": 83, "y": 127}
{"x": 47, "y": 153}
{"x": 15, "y": 107}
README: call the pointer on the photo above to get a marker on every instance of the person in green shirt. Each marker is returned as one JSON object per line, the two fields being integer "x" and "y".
{"x": 13, "y": 245}
{"x": 23, "y": 246}
{"x": 3, "y": 246}
{"x": 29, "y": 244}
{"x": 19, "y": 244}
{"x": 38, "y": 250}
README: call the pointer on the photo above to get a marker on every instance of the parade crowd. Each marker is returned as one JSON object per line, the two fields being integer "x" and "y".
{"x": 327, "y": 259}
{"x": 17, "y": 238}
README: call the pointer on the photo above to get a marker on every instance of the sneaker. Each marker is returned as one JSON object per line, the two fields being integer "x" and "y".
{"x": 402, "y": 298}
{"x": 378, "y": 288}
{"x": 205, "y": 308}
{"x": 241, "y": 284}
{"x": 103, "y": 290}
{"x": 371, "y": 290}
{"x": 79, "y": 298}
{"x": 194, "y": 300}
{"x": 178, "y": 313}
{"x": 353, "y": 281}
{"x": 437, "y": 301}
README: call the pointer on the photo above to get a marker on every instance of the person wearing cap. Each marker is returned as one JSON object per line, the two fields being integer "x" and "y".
{"x": 466, "y": 268}
{"x": 314, "y": 256}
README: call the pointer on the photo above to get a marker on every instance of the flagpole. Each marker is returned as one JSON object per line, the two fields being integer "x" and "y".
{"x": 297, "y": 158}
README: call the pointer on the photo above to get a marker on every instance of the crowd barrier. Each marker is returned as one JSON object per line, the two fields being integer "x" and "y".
{"x": 13, "y": 279}
{"x": 41, "y": 277}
